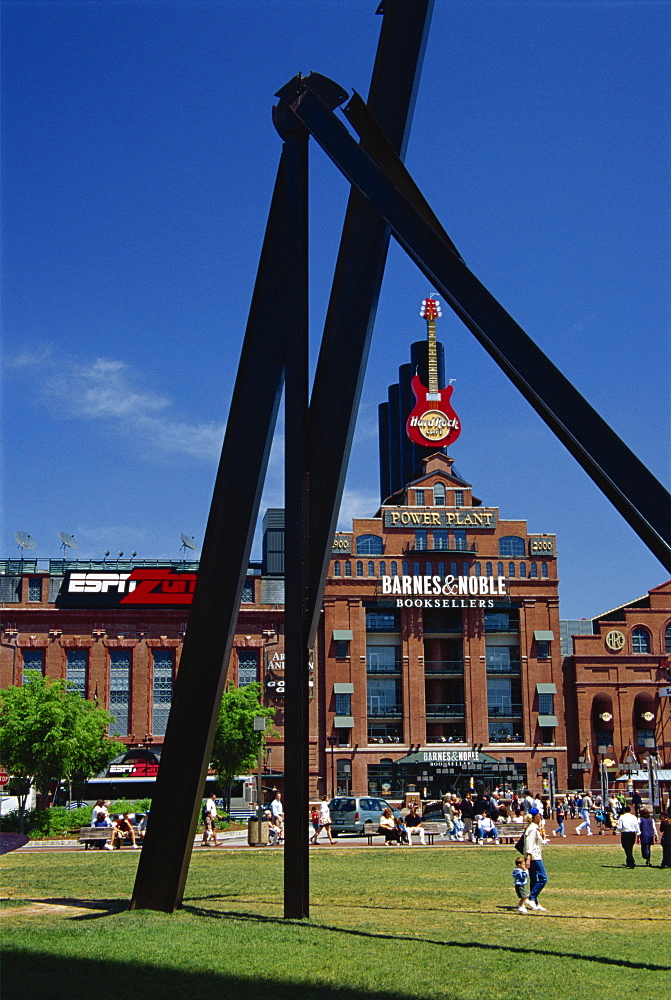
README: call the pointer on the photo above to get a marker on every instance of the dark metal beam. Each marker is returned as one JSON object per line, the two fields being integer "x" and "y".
{"x": 628, "y": 484}
{"x": 356, "y": 288}
{"x": 166, "y": 852}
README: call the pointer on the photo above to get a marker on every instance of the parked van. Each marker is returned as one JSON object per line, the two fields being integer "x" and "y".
{"x": 348, "y": 814}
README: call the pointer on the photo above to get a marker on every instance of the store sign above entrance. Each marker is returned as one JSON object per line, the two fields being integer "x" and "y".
{"x": 439, "y": 757}
{"x": 475, "y": 518}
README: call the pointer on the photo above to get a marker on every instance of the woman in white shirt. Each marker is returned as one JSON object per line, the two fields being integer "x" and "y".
{"x": 533, "y": 855}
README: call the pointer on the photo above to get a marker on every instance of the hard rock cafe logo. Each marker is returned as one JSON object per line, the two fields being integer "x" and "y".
{"x": 433, "y": 425}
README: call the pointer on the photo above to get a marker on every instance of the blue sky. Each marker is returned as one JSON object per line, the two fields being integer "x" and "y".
{"x": 138, "y": 163}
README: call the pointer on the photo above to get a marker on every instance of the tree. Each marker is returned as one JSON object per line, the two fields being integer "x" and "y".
{"x": 48, "y": 732}
{"x": 236, "y": 742}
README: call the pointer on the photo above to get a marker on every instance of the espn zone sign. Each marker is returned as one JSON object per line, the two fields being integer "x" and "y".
{"x": 142, "y": 587}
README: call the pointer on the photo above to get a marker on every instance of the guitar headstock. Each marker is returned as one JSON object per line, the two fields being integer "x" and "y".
{"x": 430, "y": 309}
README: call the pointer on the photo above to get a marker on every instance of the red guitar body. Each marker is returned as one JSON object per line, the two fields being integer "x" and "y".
{"x": 432, "y": 420}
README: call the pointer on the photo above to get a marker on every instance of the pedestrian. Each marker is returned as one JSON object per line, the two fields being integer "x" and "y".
{"x": 324, "y": 819}
{"x": 314, "y": 820}
{"x": 584, "y": 810}
{"x": 648, "y": 834}
{"x": 99, "y": 808}
{"x": 389, "y": 829}
{"x": 467, "y": 816}
{"x": 561, "y": 816}
{"x": 210, "y": 817}
{"x": 277, "y": 811}
{"x": 665, "y": 841}
{"x": 521, "y": 883}
{"x": 533, "y": 856}
{"x": 413, "y": 824}
{"x": 636, "y": 802}
{"x": 629, "y": 829}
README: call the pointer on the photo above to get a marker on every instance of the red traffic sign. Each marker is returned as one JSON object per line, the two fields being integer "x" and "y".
{"x": 4, "y": 777}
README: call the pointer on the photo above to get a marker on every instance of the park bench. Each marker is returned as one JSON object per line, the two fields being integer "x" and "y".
{"x": 510, "y": 833}
{"x": 432, "y": 830}
{"x": 97, "y": 836}
{"x": 371, "y": 830}
{"x": 94, "y": 836}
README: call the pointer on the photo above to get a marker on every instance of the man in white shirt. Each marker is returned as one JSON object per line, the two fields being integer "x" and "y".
{"x": 277, "y": 810}
{"x": 629, "y": 829}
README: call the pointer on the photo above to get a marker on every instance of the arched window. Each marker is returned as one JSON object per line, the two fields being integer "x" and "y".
{"x": 439, "y": 495}
{"x": 533, "y": 570}
{"x": 544, "y": 570}
{"x": 640, "y": 640}
{"x": 667, "y": 638}
{"x": 371, "y": 568}
{"x": 511, "y": 570}
{"x": 348, "y": 568}
{"x": 336, "y": 569}
{"x": 499, "y": 569}
{"x": 466, "y": 568}
{"x": 488, "y": 569}
{"x": 383, "y": 569}
{"x": 369, "y": 545}
{"x": 477, "y": 569}
{"x": 359, "y": 568}
{"x": 453, "y": 569}
{"x": 394, "y": 569}
{"x": 406, "y": 568}
{"x": 428, "y": 569}
{"x": 511, "y": 545}
{"x": 441, "y": 571}
{"x": 523, "y": 570}
{"x": 416, "y": 570}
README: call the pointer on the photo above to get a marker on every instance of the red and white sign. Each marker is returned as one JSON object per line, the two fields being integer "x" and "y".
{"x": 4, "y": 777}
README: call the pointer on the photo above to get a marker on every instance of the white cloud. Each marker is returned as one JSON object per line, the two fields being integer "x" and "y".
{"x": 106, "y": 390}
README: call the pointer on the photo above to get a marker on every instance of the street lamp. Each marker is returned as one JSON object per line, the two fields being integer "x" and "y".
{"x": 260, "y": 728}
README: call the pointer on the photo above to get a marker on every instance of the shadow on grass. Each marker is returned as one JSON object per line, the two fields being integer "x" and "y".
{"x": 60, "y": 976}
{"x": 467, "y": 945}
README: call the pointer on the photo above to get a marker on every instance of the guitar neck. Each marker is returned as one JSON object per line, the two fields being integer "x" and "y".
{"x": 433, "y": 355}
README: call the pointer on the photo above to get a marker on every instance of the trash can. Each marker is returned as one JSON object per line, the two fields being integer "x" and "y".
{"x": 252, "y": 830}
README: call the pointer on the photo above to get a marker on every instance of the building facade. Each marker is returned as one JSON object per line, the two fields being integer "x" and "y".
{"x": 437, "y": 666}
{"x": 616, "y": 678}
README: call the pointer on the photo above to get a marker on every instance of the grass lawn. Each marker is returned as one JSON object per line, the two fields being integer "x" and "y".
{"x": 386, "y": 924}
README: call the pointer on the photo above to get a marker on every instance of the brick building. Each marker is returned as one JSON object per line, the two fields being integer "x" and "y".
{"x": 438, "y": 659}
{"x": 614, "y": 679}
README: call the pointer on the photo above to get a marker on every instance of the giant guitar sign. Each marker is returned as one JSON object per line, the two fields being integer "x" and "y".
{"x": 432, "y": 420}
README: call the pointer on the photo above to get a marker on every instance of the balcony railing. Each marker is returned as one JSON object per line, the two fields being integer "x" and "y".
{"x": 505, "y": 711}
{"x": 512, "y": 667}
{"x": 445, "y": 711}
{"x": 385, "y": 711}
{"x": 468, "y": 548}
{"x": 443, "y": 666}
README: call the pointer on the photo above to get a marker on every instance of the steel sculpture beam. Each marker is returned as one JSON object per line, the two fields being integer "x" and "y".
{"x": 623, "y": 478}
{"x": 356, "y": 286}
{"x": 282, "y": 280}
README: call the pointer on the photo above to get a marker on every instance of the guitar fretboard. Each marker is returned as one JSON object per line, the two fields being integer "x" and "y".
{"x": 433, "y": 356}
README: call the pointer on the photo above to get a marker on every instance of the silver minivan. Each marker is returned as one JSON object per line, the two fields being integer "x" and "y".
{"x": 349, "y": 813}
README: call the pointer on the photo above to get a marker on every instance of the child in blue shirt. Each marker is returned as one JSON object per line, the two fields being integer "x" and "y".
{"x": 521, "y": 883}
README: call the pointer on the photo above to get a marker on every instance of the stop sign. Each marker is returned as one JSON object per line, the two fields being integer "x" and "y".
{"x": 4, "y": 777}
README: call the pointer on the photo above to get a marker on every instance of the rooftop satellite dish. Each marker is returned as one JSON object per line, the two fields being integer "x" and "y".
{"x": 67, "y": 541}
{"x": 187, "y": 543}
{"x": 24, "y": 541}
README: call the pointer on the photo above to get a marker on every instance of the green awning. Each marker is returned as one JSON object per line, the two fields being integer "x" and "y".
{"x": 546, "y": 688}
{"x": 541, "y": 636}
{"x": 344, "y": 722}
{"x": 343, "y": 688}
{"x": 342, "y": 634}
{"x": 548, "y": 721}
